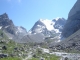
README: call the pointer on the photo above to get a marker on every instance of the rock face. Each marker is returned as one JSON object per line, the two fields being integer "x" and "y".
{"x": 75, "y": 8}
{"x": 73, "y": 22}
{"x": 12, "y": 31}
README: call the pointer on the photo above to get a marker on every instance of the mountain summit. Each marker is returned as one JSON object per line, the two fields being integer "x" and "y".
{"x": 48, "y": 27}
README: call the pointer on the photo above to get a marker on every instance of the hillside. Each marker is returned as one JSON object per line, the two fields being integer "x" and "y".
{"x": 72, "y": 45}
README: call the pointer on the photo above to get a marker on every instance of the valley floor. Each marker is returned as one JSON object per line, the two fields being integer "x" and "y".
{"x": 53, "y": 55}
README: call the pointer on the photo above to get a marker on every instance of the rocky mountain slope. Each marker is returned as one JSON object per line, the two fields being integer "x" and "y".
{"x": 12, "y": 31}
{"x": 73, "y": 21}
{"x": 72, "y": 45}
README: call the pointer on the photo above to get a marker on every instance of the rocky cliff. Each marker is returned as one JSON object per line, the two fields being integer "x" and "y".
{"x": 73, "y": 21}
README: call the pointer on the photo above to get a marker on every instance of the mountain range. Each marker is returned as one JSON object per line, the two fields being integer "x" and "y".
{"x": 43, "y": 27}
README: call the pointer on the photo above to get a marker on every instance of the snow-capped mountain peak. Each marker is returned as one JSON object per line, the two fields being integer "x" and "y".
{"x": 48, "y": 27}
{"x": 20, "y": 29}
{"x": 57, "y": 18}
{"x": 48, "y": 23}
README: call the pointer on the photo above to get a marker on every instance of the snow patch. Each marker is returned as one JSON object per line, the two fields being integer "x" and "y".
{"x": 35, "y": 33}
{"x": 10, "y": 37}
{"x": 20, "y": 29}
{"x": 0, "y": 27}
{"x": 57, "y": 18}
{"x": 6, "y": 26}
{"x": 45, "y": 50}
{"x": 48, "y": 23}
{"x": 38, "y": 25}
{"x": 59, "y": 41}
{"x": 30, "y": 32}
{"x": 16, "y": 32}
{"x": 56, "y": 30}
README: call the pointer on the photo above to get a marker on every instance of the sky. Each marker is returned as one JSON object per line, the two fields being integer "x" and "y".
{"x": 26, "y": 12}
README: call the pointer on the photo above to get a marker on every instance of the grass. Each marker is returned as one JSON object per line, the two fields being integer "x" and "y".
{"x": 3, "y": 35}
{"x": 38, "y": 54}
{"x": 10, "y": 58}
{"x": 47, "y": 57}
{"x": 34, "y": 58}
{"x": 10, "y": 44}
{"x": 72, "y": 51}
{"x": 10, "y": 47}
